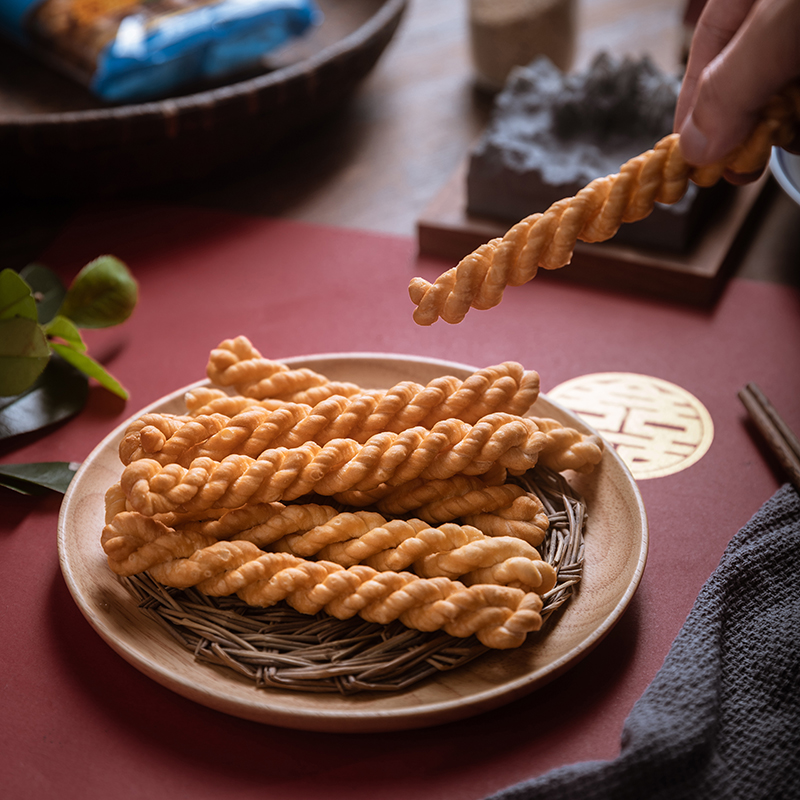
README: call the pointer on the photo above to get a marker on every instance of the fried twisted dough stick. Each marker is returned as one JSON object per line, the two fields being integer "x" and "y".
{"x": 502, "y": 510}
{"x": 594, "y": 214}
{"x": 341, "y": 465}
{"x": 484, "y": 557}
{"x": 506, "y": 388}
{"x": 168, "y": 435}
{"x": 266, "y": 523}
{"x": 524, "y": 518}
{"x": 516, "y": 571}
{"x": 135, "y": 543}
{"x": 237, "y": 364}
{"x": 500, "y": 616}
{"x": 486, "y": 499}
{"x": 206, "y": 400}
{"x": 462, "y": 496}
{"x": 262, "y": 522}
{"x": 449, "y": 550}
{"x": 365, "y": 537}
{"x": 250, "y": 432}
{"x": 418, "y": 494}
{"x": 116, "y": 501}
{"x": 567, "y": 448}
{"x": 506, "y": 439}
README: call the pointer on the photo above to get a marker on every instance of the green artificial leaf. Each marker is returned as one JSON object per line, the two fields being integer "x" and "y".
{"x": 103, "y": 293}
{"x": 35, "y": 477}
{"x": 47, "y": 288}
{"x": 59, "y": 393}
{"x": 63, "y": 328}
{"x": 16, "y": 297}
{"x": 24, "y": 353}
{"x": 90, "y": 367}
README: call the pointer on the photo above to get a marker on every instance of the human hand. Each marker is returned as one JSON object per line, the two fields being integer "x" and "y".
{"x": 743, "y": 53}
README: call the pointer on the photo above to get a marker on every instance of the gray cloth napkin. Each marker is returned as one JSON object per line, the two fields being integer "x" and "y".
{"x": 721, "y": 718}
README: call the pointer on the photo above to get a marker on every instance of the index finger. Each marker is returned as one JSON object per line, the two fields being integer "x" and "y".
{"x": 717, "y": 25}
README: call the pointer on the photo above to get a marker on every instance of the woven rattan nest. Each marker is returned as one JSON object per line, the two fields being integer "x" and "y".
{"x": 279, "y": 647}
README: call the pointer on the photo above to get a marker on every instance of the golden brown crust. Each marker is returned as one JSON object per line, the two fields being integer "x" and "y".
{"x": 166, "y": 437}
{"x": 449, "y": 550}
{"x": 519, "y": 571}
{"x": 523, "y": 518}
{"x": 135, "y": 543}
{"x": 479, "y": 554}
{"x": 207, "y": 400}
{"x": 566, "y": 448}
{"x": 476, "y": 501}
{"x": 235, "y": 363}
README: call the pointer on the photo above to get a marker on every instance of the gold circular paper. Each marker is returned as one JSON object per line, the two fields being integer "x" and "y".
{"x": 656, "y": 427}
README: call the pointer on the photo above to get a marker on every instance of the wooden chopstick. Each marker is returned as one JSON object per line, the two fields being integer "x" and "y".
{"x": 778, "y": 435}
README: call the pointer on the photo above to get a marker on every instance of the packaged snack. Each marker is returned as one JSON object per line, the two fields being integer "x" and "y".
{"x": 139, "y": 50}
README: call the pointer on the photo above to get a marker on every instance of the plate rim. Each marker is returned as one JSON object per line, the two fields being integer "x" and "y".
{"x": 778, "y": 168}
{"x": 331, "y": 720}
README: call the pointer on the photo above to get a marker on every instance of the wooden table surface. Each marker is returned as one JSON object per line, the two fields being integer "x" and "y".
{"x": 379, "y": 161}
{"x": 83, "y": 722}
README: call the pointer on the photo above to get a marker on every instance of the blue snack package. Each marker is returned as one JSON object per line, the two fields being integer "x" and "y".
{"x": 139, "y": 50}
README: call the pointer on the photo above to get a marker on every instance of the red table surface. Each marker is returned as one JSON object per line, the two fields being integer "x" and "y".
{"x": 79, "y": 721}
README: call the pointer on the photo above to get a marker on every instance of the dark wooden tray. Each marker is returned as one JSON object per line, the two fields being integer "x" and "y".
{"x": 56, "y": 139}
{"x": 446, "y": 230}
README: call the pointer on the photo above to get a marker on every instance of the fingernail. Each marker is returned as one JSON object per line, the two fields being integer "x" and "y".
{"x": 694, "y": 144}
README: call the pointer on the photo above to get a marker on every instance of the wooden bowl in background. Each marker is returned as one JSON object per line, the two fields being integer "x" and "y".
{"x": 57, "y": 140}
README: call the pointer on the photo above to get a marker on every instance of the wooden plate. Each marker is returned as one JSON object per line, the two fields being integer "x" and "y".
{"x": 786, "y": 169}
{"x": 56, "y": 139}
{"x": 616, "y": 549}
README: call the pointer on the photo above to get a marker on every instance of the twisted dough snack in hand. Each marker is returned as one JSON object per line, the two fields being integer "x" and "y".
{"x": 595, "y": 214}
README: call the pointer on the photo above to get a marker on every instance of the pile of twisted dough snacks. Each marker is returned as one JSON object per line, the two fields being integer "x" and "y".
{"x": 595, "y": 214}
{"x": 281, "y": 485}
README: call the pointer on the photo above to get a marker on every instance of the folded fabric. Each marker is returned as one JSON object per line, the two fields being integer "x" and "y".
{"x": 721, "y": 718}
